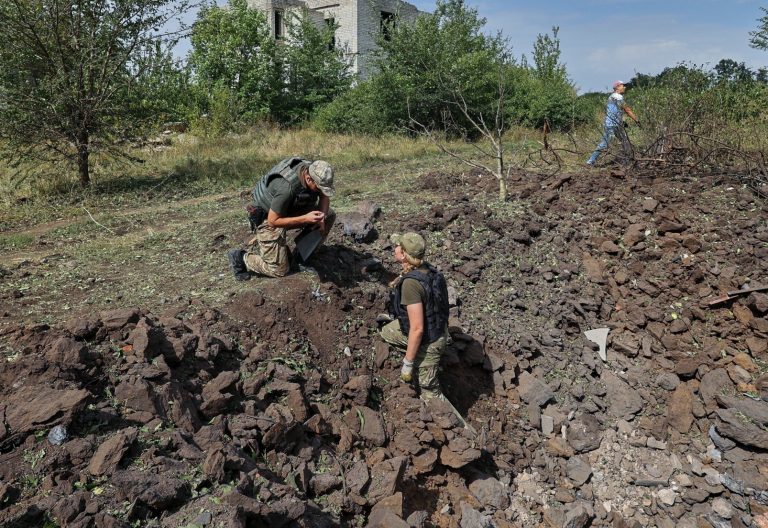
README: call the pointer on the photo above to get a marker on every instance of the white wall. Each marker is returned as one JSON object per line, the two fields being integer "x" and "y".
{"x": 359, "y": 22}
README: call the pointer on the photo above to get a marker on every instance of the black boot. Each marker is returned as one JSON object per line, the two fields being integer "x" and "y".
{"x": 237, "y": 264}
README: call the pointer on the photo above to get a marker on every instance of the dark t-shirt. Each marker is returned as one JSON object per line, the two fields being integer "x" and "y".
{"x": 285, "y": 203}
{"x": 412, "y": 292}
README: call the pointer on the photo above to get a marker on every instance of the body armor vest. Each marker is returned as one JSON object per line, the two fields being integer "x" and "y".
{"x": 435, "y": 305}
{"x": 289, "y": 169}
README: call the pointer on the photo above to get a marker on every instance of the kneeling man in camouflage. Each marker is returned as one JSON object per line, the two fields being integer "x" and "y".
{"x": 294, "y": 194}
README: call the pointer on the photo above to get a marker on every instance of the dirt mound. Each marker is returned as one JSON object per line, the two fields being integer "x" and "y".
{"x": 283, "y": 408}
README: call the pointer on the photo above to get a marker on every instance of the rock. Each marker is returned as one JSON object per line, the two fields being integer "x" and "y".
{"x": 385, "y": 477}
{"x": 357, "y": 226}
{"x": 425, "y": 462}
{"x": 610, "y": 248}
{"x": 382, "y": 354}
{"x": 117, "y": 319}
{"x": 668, "y": 381}
{"x": 668, "y": 226}
{"x": 158, "y": 492}
{"x": 223, "y": 382}
{"x": 418, "y": 519}
{"x": 667, "y": 496}
{"x": 741, "y": 430}
{"x": 680, "y": 409}
{"x": 458, "y": 453}
{"x": 83, "y": 328}
{"x": 111, "y": 452}
{"x": 721, "y": 443}
{"x": 713, "y": 383}
{"x": 722, "y": 507}
{"x": 369, "y": 425}
{"x": 533, "y": 390}
{"x": 393, "y": 504}
{"x": 471, "y": 518}
{"x": 67, "y": 352}
{"x": 357, "y": 477}
{"x": 558, "y": 447}
{"x": 323, "y": 483}
{"x": 58, "y": 435}
{"x": 754, "y": 410}
{"x": 623, "y": 400}
{"x": 490, "y": 493}
{"x": 655, "y": 444}
{"x": 178, "y": 406}
{"x": 137, "y": 395}
{"x": 650, "y": 205}
{"x": 635, "y": 233}
{"x": 578, "y": 470}
{"x": 593, "y": 269}
{"x": 742, "y": 314}
{"x": 577, "y": 517}
{"x": 385, "y": 519}
{"x": 34, "y": 407}
{"x": 745, "y": 361}
{"x": 757, "y": 346}
{"x": 147, "y": 341}
{"x": 388, "y": 512}
{"x": 547, "y": 425}
{"x": 758, "y": 302}
{"x": 584, "y": 433}
{"x": 357, "y": 389}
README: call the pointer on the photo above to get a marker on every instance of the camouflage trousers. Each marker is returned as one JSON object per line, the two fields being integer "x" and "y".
{"x": 427, "y": 362}
{"x": 268, "y": 252}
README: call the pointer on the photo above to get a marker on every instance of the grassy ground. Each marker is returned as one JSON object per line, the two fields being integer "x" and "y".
{"x": 156, "y": 233}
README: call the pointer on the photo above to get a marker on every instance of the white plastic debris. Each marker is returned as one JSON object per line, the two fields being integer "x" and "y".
{"x": 599, "y": 336}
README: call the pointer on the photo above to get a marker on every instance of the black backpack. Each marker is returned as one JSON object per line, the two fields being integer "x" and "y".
{"x": 435, "y": 309}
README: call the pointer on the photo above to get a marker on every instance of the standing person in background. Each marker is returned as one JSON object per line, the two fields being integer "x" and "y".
{"x": 614, "y": 119}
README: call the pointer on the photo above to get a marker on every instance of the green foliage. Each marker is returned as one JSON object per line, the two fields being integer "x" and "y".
{"x": 68, "y": 70}
{"x": 233, "y": 60}
{"x": 690, "y": 98}
{"x": 162, "y": 90}
{"x": 759, "y": 38}
{"x": 443, "y": 72}
{"x": 422, "y": 66}
{"x": 546, "y": 57}
{"x": 358, "y": 111}
{"x": 315, "y": 71}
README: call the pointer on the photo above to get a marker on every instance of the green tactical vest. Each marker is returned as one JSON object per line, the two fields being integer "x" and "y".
{"x": 287, "y": 169}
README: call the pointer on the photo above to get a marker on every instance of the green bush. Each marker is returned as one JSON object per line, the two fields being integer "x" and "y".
{"x": 359, "y": 111}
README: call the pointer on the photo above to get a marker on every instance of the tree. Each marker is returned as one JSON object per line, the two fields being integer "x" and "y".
{"x": 546, "y": 57}
{"x": 421, "y": 65}
{"x": 315, "y": 70}
{"x": 68, "y": 69}
{"x": 731, "y": 71}
{"x": 483, "y": 114}
{"x": 759, "y": 38}
{"x": 233, "y": 57}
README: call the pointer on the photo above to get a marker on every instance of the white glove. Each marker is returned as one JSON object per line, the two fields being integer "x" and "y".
{"x": 406, "y": 373}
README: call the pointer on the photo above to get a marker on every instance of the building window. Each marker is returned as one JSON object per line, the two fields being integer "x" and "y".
{"x": 387, "y": 24}
{"x": 278, "y": 24}
{"x": 331, "y": 24}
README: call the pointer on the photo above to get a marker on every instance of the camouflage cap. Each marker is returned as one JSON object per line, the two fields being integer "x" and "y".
{"x": 412, "y": 243}
{"x": 322, "y": 174}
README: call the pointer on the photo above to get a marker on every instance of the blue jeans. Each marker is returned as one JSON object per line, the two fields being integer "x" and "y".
{"x": 608, "y": 133}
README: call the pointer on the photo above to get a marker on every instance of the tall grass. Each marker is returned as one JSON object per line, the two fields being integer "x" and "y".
{"x": 189, "y": 166}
